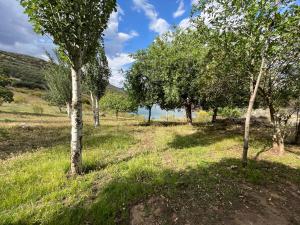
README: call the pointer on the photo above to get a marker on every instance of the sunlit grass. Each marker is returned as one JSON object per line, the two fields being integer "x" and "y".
{"x": 123, "y": 163}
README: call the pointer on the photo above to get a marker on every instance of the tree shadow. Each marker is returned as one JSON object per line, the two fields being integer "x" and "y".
{"x": 31, "y": 114}
{"x": 18, "y": 140}
{"x": 207, "y": 194}
{"x": 204, "y": 136}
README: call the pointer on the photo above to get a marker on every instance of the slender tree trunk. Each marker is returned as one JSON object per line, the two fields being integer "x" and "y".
{"x": 149, "y": 114}
{"x": 188, "y": 110}
{"x": 117, "y": 114}
{"x": 215, "y": 114}
{"x": 297, "y": 136}
{"x": 96, "y": 115}
{"x": 76, "y": 122}
{"x": 272, "y": 113}
{"x": 249, "y": 111}
{"x": 69, "y": 109}
{"x": 95, "y": 109}
{"x": 278, "y": 138}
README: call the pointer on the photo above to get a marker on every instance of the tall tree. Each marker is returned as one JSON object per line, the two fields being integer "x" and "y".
{"x": 140, "y": 83}
{"x": 96, "y": 79}
{"x": 76, "y": 27}
{"x": 179, "y": 59}
{"x": 59, "y": 83}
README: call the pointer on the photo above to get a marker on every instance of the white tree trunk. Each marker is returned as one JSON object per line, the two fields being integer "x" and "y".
{"x": 95, "y": 109}
{"x": 249, "y": 111}
{"x": 76, "y": 122}
{"x": 96, "y": 113}
{"x": 69, "y": 109}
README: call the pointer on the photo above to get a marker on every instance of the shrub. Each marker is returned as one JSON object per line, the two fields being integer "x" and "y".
{"x": 202, "y": 116}
{"x": 230, "y": 112}
{"x": 38, "y": 109}
{"x": 20, "y": 100}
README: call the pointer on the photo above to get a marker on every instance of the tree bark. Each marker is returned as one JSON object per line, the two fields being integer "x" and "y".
{"x": 96, "y": 115}
{"x": 69, "y": 109}
{"x": 278, "y": 139}
{"x": 149, "y": 114}
{"x": 249, "y": 111}
{"x": 272, "y": 113}
{"x": 188, "y": 110}
{"x": 76, "y": 122}
{"x": 95, "y": 109}
{"x": 215, "y": 114}
{"x": 297, "y": 136}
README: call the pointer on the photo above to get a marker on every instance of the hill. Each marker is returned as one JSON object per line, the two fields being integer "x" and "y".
{"x": 27, "y": 70}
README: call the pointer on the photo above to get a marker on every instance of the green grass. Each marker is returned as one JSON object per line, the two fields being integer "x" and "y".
{"x": 125, "y": 163}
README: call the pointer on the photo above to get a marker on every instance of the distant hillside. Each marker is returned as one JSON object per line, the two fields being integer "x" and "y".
{"x": 27, "y": 70}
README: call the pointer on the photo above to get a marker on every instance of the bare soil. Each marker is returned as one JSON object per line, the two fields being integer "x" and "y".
{"x": 255, "y": 205}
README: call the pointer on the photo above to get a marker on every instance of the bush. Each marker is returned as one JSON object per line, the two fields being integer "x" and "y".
{"x": 38, "y": 109}
{"x": 20, "y": 100}
{"x": 202, "y": 116}
{"x": 228, "y": 112}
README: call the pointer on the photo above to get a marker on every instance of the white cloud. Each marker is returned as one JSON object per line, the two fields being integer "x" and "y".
{"x": 157, "y": 24}
{"x": 180, "y": 10}
{"x": 116, "y": 64}
{"x": 194, "y": 2}
{"x": 185, "y": 23}
{"x": 16, "y": 33}
{"x": 114, "y": 45}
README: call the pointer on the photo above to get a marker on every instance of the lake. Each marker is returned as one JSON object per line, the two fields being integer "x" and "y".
{"x": 158, "y": 113}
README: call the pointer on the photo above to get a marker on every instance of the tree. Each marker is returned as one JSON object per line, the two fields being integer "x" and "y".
{"x": 179, "y": 59}
{"x": 5, "y": 94}
{"x": 59, "y": 83}
{"x": 76, "y": 27}
{"x": 256, "y": 26}
{"x": 96, "y": 79}
{"x": 141, "y": 85}
{"x": 117, "y": 102}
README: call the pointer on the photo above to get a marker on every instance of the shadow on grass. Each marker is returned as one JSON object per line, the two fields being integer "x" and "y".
{"x": 204, "y": 136}
{"x": 207, "y": 194}
{"x": 18, "y": 140}
{"x": 32, "y": 114}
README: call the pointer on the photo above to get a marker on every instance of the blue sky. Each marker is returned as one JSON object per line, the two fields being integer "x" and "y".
{"x": 134, "y": 26}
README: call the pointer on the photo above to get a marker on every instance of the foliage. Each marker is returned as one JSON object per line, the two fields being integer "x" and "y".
{"x": 5, "y": 94}
{"x": 141, "y": 85}
{"x": 74, "y": 25}
{"x": 59, "y": 84}
{"x": 181, "y": 68}
{"x": 202, "y": 116}
{"x": 117, "y": 102}
{"x": 96, "y": 74}
{"x": 229, "y": 112}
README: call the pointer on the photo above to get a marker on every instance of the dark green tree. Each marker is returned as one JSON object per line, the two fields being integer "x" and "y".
{"x": 141, "y": 85}
{"x": 59, "y": 83}
{"x": 6, "y": 95}
{"x": 96, "y": 79}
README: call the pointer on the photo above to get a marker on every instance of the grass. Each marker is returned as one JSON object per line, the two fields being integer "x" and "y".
{"x": 125, "y": 164}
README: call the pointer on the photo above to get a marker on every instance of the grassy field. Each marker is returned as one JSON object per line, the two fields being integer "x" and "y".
{"x": 166, "y": 173}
